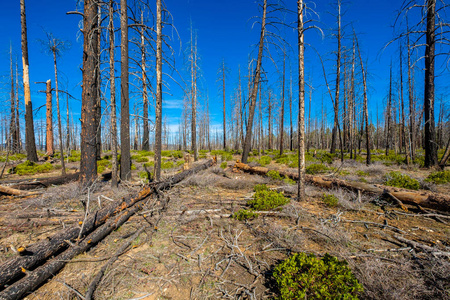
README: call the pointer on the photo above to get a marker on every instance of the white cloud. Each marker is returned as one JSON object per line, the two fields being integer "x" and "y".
{"x": 173, "y": 104}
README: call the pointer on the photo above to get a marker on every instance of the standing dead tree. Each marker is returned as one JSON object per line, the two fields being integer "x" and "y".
{"x": 255, "y": 84}
{"x": 55, "y": 47}
{"x": 30, "y": 144}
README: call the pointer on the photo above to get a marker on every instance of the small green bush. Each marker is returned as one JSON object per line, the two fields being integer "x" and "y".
{"x": 264, "y": 160}
{"x": 29, "y": 168}
{"x": 440, "y": 177}
{"x": 274, "y": 175}
{"x": 267, "y": 200}
{"x": 260, "y": 187}
{"x": 146, "y": 153}
{"x": 289, "y": 181}
{"x": 203, "y": 151}
{"x": 180, "y": 162}
{"x": 330, "y": 200}
{"x": 400, "y": 180}
{"x": 13, "y": 157}
{"x": 149, "y": 164}
{"x": 224, "y": 165}
{"x": 316, "y": 169}
{"x": 244, "y": 214}
{"x": 202, "y": 156}
{"x": 362, "y": 173}
{"x": 326, "y": 157}
{"x": 144, "y": 175}
{"x": 303, "y": 276}
{"x": 133, "y": 167}
{"x": 226, "y": 156}
{"x": 142, "y": 159}
{"x": 167, "y": 165}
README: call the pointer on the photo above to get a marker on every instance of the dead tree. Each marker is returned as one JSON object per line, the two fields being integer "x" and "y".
{"x": 88, "y": 162}
{"x": 223, "y": 71}
{"x": 125, "y": 157}
{"x": 55, "y": 47}
{"x": 112, "y": 80}
{"x": 49, "y": 118}
{"x": 254, "y": 91}
{"x": 13, "y": 141}
{"x": 158, "y": 110}
{"x": 193, "y": 61}
{"x": 30, "y": 144}
{"x": 301, "y": 102}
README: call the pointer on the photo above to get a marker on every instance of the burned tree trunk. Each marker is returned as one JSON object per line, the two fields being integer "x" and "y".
{"x": 158, "y": 110}
{"x": 125, "y": 158}
{"x": 112, "y": 80}
{"x": 88, "y": 163}
{"x": 301, "y": 103}
{"x": 428, "y": 107}
{"x": 256, "y": 79}
{"x": 30, "y": 144}
{"x": 49, "y": 138}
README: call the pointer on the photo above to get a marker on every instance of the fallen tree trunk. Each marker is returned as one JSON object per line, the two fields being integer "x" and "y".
{"x": 35, "y": 278}
{"x": 423, "y": 198}
{"x": 46, "y": 182}
{"x": 13, "y": 192}
{"x": 11, "y": 270}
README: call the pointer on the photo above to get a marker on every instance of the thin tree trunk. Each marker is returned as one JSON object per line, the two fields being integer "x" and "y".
{"x": 12, "y": 127}
{"x": 338, "y": 78}
{"x": 125, "y": 158}
{"x": 194, "y": 96}
{"x": 282, "y": 104}
{"x": 49, "y": 139}
{"x": 256, "y": 79}
{"x": 430, "y": 131}
{"x": 158, "y": 111}
{"x": 61, "y": 145}
{"x": 112, "y": 80}
{"x": 388, "y": 114}
{"x": 301, "y": 104}
{"x": 146, "y": 137}
{"x": 30, "y": 145}
{"x": 224, "y": 108}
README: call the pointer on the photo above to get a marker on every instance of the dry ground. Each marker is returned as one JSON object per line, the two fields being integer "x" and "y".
{"x": 194, "y": 250}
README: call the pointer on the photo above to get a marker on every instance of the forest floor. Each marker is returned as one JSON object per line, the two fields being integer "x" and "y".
{"x": 195, "y": 250}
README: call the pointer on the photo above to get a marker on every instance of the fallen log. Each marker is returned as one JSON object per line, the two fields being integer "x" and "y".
{"x": 11, "y": 270}
{"x": 13, "y": 192}
{"x": 46, "y": 182}
{"x": 423, "y": 198}
{"x": 38, "y": 276}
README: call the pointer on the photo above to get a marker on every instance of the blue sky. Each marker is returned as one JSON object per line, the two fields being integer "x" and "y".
{"x": 224, "y": 30}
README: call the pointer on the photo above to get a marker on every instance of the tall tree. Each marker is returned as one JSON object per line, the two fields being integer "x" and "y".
{"x": 88, "y": 163}
{"x": 112, "y": 80}
{"x": 301, "y": 102}
{"x": 223, "y": 72}
{"x": 158, "y": 110}
{"x": 125, "y": 157}
{"x": 256, "y": 81}
{"x": 283, "y": 79}
{"x": 338, "y": 79}
{"x": 12, "y": 127}
{"x": 193, "y": 59}
{"x": 30, "y": 144}
{"x": 146, "y": 136}
{"x": 428, "y": 106}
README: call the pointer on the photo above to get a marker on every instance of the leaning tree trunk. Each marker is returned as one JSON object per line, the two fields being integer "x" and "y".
{"x": 125, "y": 158}
{"x": 30, "y": 144}
{"x": 256, "y": 79}
{"x": 49, "y": 138}
{"x": 428, "y": 107}
{"x": 88, "y": 163}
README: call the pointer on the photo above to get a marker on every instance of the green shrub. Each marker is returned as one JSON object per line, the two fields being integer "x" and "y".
{"x": 316, "y": 169}
{"x": 289, "y": 181}
{"x": 244, "y": 214}
{"x": 274, "y": 175}
{"x": 224, "y": 165}
{"x": 439, "y": 177}
{"x": 180, "y": 162}
{"x": 142, "y": 159}
{"x": 330, "y": 200}
{"x": 203, "y": 151}
{"x": 303, "y": 276}
{"x": 264, "y": 160}
{"x": 149, "y": 164}
{"x": 325, "y": 157}
{"x": 167, "y": 165}
{"x": 362, "y": 173}
{"x": 146, "y": 153}
{"x": 29, "y": 168}
{"x": 267, "y": 200}
{"x": 226, "y": 156}
{"x": 202, "y": 156}
{"x": 144, "y": 175}
{"x": 260, "y": 187}
{"x": 133, "y": 167}
{"x": 400, "y": 180}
